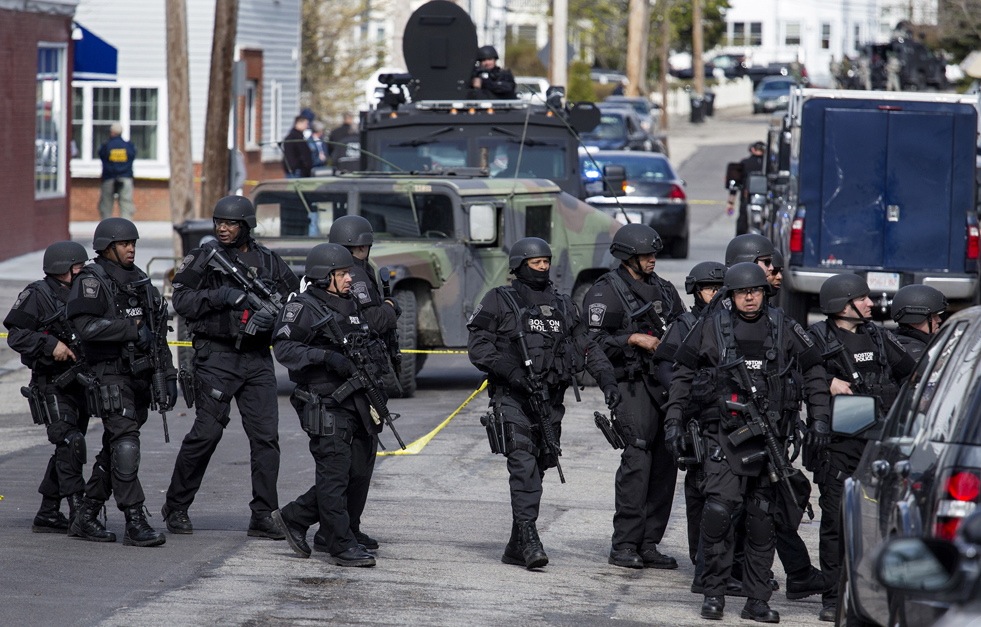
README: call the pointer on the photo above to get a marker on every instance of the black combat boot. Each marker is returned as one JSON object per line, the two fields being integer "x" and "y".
{"x": 49, "y": 518}
{"x": 713, "y": 607}
{"x": 74, "y": 504}
{"x": 176, "y": 520}
{"x": 531, "y": 545}
{"x": 86, "y": 524}
{"x": 802, "y": 586}
{"x": 138, "y": 530}
{"x": 759, "y": 610}
{"x": 512, "y": 552}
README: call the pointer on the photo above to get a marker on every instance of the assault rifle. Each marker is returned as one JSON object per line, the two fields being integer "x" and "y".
{"x": 694, "y": 439}
{"x": 760, "y": 421}
{"x": 541, "y": 405}
{"x": 156, "y": 321}
{"x": 79, "y": 371}
{"x": 257, "y": 294}
{"x": 354, "y": 349}
{"x": 385, "y": 275}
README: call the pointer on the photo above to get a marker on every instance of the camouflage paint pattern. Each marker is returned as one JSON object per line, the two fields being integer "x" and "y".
{"x": 447, "y": 275}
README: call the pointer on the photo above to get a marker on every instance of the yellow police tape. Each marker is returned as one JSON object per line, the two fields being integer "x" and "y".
{"x": 416, "y": 447}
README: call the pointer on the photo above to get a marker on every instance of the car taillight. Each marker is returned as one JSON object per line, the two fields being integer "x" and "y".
{"x": 972, "y": 242}
{"x": 676, "y": 193}
{"x": 959, "y": 493}
{"x": 797, "y": 235}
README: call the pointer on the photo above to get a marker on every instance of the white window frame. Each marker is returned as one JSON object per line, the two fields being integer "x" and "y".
{"x": 61, "y": 120}
{"x": 792, "y": 30}
{"x": 251, "y": 116}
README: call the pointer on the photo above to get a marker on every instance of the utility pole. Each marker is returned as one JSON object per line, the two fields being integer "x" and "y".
{"x": 698, "y": 67}
{"x": 665, "y": 47}
{"x": 181, "y": 187}
{"x": 558, "y": 69}
{"x": 214, "y": 170}
{"x": 638, "y": 27}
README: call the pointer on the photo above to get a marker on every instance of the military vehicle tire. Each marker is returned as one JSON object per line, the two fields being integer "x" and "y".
{"x": 407, "y": 340}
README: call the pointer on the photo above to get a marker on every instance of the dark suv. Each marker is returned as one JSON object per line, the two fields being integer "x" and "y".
{"x": 920, "y": 474}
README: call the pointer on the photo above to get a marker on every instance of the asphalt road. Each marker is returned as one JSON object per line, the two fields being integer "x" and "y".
{"x": 441, "y": 513}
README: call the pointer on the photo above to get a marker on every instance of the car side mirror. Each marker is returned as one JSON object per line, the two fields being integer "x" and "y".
{"x": 483, "y": 224}
{"x": 614, "y": 176}
{"x": 852, "y": 414}
{"x": 923, "y": 567}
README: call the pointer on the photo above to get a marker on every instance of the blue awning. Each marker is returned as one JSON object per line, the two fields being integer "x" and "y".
{"x": 95, "y": 60}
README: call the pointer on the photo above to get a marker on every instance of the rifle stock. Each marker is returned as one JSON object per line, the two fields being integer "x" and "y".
{"x": 157, "y": 322}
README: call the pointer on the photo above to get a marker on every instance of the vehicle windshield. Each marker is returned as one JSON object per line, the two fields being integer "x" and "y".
{"x": 422, "y": 155}
{"x": 638, "y": 168}
{"x": 610, "y": 127}
{"x": 776, "y": 87}
{"x": 500, "y": 156}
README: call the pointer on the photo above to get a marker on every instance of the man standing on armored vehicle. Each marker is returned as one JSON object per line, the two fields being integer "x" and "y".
{"x": 39, "y": 331}
{"x": 531, "y": 343}
{"x": 121, "y": 319}
{"x": 628, "y": 312}
{"x": 860, "y": 358}
{"x": 745, "y": 354}
{"x": 488, "y": 80}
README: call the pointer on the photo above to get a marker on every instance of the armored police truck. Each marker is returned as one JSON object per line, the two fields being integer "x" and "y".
{"x": 429, "y": 121}
{"x": 444, "y": 239}
{"x": 881, "y": 184}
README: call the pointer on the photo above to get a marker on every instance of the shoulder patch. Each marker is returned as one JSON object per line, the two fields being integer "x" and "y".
{"x": 291, "y": 311}
{"x": 475, "y": 312}
{"x": 21, "y": 298}
{"x": 360, "y": 289}
{"x": 597, "y": 311}
{"x": 184, "y": 262}
{"x": 804, "y": 336}
{"x": 90, "y": 287}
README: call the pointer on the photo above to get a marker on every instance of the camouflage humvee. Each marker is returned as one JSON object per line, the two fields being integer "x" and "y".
{"x": 446, "y": 239}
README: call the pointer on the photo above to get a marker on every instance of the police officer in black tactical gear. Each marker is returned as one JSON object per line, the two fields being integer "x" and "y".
{"x": 860, "y": 358}
{"x": 726, "y": 347}
{"x": 529, "y": 316}
{"x": 337, "y": 416}
{"x": 703, "y": 282}
{"x": 113, "y": 307}
{"x": 488, "y": 80}
{"x": 628, "y": 312}
{"x": 751, "y": 247}
{"x": 381, "y": 315}
{"x": 919, "y": 310}
{"x": 39, "y": 331}
{"x": 752, "y": 164}
{"x": 231, "y": 336}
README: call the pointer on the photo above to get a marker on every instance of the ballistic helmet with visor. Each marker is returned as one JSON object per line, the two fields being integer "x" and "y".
{"x": 236, "y": 208}
{"x": 915, "y": 303}
{"x": 113, "y": 230}
{"x": 487, "y": 52}
{"x": 61, "y": 256}
{"x": 527, "y": 248}
{"x": 838, "y": 290}
{"x": 326, "y": 258}
{"x": 748, "y": 247}
{"x": 351, "y": 231}
{"x": 745, "y": 274}
{"x": 635, "y": 239}
{"x": 705, "y": 273}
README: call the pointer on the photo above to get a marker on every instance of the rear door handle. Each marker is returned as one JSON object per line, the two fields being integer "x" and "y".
{"x": 892, "y": 213}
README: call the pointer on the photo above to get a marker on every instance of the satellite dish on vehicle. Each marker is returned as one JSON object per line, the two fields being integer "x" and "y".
{"x": 440, "y": 48}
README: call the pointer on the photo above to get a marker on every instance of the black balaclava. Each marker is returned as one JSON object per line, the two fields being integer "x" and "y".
{"x": 535, "y": 279}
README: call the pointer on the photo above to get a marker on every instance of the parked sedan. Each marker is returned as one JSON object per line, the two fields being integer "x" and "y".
{"x": 650, "y": 193}
{"x": 772, "y": 94}
{"x": 619, "y": 129}
{"x": 648, "y": 112}
{"x": 920, "y": 474}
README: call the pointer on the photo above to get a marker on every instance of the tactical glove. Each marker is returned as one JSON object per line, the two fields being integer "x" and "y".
{"x": 263, "y": 319}
{"x": 340, "y": 364}
{"x": 233, "y": 298}
{"x": 674, "y": 437}
{"x": 171, "y": 394}
{"x": 611, "y": 394}
{"x": 145, "y": 339}
{"x": 518, "y": 382}
{"x": 818, "y": 437}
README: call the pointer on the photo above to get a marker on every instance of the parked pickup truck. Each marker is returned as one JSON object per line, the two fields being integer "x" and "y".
{"x": 881, "y": 184}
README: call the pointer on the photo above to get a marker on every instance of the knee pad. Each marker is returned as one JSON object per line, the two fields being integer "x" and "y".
{"x": 76, "y": 447}
{"x": 760, "y": 530}
{"x": 716, "y": 520}
{"x": 126, "y": 459}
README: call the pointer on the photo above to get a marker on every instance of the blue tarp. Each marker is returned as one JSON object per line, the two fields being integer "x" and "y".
{"x": 95, "y": 59}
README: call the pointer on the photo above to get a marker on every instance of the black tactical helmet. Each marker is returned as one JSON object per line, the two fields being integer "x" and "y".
{"x": 838, "y": 290}
{"x": 705, "y": 273}
{"x": 61, "y": 256}
{"x": 487, "y": 52}
{"x": 777, "y": 261}
{"x": 113, "y": 230}
{"x": 748, "y": 247}
{"x": 527, "y": 248}
{"x": 325, "y": 258}
{"x": 635, "y": 239}
{"x": 757, "y": 146}
{"x": 745, "y": 274}
{"x": 235, "y": 208}
{"x": 914, "y": 304}
{"x": 351, "y": 231}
